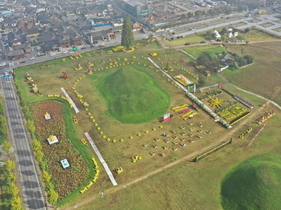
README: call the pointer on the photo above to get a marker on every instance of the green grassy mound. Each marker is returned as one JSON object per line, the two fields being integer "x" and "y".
{"x": 254, "y": 184}
{"x": 132, "y": 96}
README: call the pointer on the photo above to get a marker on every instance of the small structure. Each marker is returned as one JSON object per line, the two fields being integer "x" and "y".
{"x": 90, "y": 71}
{"x": 90, "y": 64}
{"x": 52, "y": 139}
{"x": 64, "y": 75}
{"x": 166, "y": 118}
{"x": 119, "y": 170}
{"x": 64, "y": 163}
{"x": 75, "y": 120}
{"x": 47, "y": 116}
{"x": 183, "y": 80}
{"x": 79, "y": 67}
{"x": 218, "y": 36}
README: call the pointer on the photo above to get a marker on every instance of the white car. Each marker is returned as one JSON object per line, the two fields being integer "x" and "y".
{"x": 3, "y": 64}
{"x": 32, "y": 58}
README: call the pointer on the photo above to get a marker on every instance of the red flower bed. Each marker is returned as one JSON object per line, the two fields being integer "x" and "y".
{"x": 66, "y": 180}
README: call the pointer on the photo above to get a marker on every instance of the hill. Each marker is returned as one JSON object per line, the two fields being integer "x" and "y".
{"x": 132, "y": 96}
{"x": 254, "y": 184}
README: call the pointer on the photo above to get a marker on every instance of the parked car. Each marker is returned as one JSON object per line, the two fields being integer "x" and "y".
{"x": 22, "y": 61}
{"x": 3, "y": 64}
{"x": 83, "y": 48}
{"x": 202, "y": 42}
{"x": 41, "y": 53}
{"x": 32, "y": 58}
{"x": 187, "y": 44}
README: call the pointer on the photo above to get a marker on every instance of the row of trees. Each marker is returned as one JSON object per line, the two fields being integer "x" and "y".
{"x": 10, "y": 192}
{"x": 213, "y": 63}
{"x": 240, "y": 61}
{"x": 37, "y": 148}
{"x": 3, "y": 124}
{"x": 46, "y": 177}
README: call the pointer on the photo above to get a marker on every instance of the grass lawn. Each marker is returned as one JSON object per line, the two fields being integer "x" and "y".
{"x": 260, "y": 175}
{"x": 213, "y": 50}
{"x": 257, "y": 35}
{"x": 277, "y": 29}
{"x": 132, "y": 96}
{"x": 266, "y": 24}
{"x": 188, "y": 39}
{"x": 178, "y": 187}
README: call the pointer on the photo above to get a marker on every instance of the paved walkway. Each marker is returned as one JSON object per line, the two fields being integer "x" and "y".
{"x": 70, "y": 100}
{"x": 188, "y": 54}
{"x": 108, "y": 171}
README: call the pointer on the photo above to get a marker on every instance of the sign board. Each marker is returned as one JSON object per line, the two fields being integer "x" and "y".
{"x": 166, "y": 116}
{"x": 74, "y": 48}
{"x": 6, "y": 76}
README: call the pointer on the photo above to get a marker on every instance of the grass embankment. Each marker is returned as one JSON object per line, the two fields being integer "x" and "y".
{"x": 132, "y": 96}
{"x": 213, "y": 50}
{"x": 253, "y": 184}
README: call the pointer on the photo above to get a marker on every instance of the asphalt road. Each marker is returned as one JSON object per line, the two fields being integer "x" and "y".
{"x": 29, "y": 179}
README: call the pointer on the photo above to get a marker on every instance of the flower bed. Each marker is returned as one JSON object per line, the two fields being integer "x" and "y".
{"x": 65, "y": 180}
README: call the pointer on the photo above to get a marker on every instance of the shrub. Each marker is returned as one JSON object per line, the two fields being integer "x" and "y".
{"x": 6, "y": 146}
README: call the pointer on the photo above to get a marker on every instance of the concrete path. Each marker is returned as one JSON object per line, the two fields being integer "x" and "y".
{"x": 108, "y": 171}
{"x": 70, "y": 100}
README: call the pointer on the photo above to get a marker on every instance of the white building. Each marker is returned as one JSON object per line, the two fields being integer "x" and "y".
{"x": 218, "y": 36}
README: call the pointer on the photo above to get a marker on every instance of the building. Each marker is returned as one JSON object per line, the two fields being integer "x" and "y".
{"x": 231, "y": 33}
{"x": 218, "y": 36}
{"x": 137, "y": 8}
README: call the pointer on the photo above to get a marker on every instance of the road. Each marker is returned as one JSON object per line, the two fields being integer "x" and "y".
{"x": 28, "y": 176}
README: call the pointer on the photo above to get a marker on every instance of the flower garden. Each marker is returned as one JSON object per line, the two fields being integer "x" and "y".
{"x": 122, "y": 99}
{"x": 65, "y": 180}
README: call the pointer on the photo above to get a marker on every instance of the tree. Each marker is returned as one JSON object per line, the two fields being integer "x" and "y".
{"x": 198, "y": 14}
{"x": 249, "y": 59}
{"x": 202, "y": 59}
{"x": 12, "y": 177}
{"x": 242, "y": 51}
{"x": 6, "y": 146}
{"x": 202, "y": 80}
{"x": 3, "y": 126}
{"x": 241, "y": 61}
{"x": 46, "y": 176}
{"x": 30, "y": 126}
{"x": 16, "y": 203}
{"x": 49, "y": 185}
{"x": 233, "y": 66}
{"x": 223, "y": 31}
{"x": 39, "y": 155}
{"x": 211, "y": 13}
{"x": 127, "y": 39}
{"x": 190, "y": 14}
{"x": 10, "y": 165}
{"x": 36, "y": 145}
{"x": 14, "y": 190}
{"x": 223, "y": 37}
{"x": 210, "y": 35}
{"x": 53, "y": 196}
